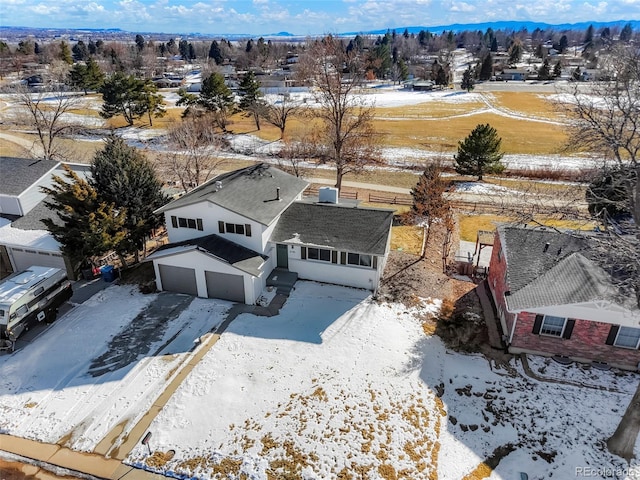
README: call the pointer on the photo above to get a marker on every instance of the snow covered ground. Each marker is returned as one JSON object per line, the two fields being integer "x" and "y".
{"x": 335, "y": 384}
{"x": 348, "y": 386}
{"x": 77, "y": 381}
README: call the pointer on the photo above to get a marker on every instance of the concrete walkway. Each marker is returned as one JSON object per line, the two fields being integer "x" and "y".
{"x": 105, "y": 462}
{"x": 493, "y": 328}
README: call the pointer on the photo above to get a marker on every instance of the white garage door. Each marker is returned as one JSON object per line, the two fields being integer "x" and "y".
{"x": 25, "y": 257}
{"x": 178, "y": 279}
{"x": 225, "y": 286}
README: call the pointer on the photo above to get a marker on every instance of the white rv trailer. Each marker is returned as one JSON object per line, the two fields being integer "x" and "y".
{"x": 30, "y": 296}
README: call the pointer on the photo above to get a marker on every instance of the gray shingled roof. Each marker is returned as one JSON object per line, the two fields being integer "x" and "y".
{"x": 18, "y": 174}
{"x": 547, "y": 267}
{"x": 524, "y": 249}
{"x": 358, "y": 230}
{"x": 240, "y": 257}
{"x": 575, "y": 279}
{"x": 33, "y": 219}
{"x": 250, "y": 192}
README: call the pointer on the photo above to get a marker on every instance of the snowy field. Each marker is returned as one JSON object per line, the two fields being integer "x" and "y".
{"x": 338, "y": 386}
{"x": 88, "y": 372}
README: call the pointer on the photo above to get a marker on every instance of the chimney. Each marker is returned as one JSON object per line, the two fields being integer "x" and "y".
{"x": 278, "y": 193}
{"x": 546, "y": 247}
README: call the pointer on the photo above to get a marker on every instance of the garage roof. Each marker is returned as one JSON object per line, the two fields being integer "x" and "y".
{"x": 251, "y": 192}
{"x": 18, "y": 174}
{"x": 236, "y": 255}
{"x": 358, "y": 230}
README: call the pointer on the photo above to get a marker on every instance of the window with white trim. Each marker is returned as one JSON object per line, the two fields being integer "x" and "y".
{"x": 180, "y": 222}
{"x": 359, "y": 259}
{"x": 553, "y": 326}
{"x": 321, "y": 254}
{"x": 237, "y": 228}
{"x": 627, "y": 337}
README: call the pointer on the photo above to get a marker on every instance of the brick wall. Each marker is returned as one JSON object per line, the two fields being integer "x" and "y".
{"x": 497, "y": 269}
{"x": 587, "y": 342}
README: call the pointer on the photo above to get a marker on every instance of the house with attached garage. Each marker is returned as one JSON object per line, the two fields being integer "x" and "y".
{"x": 553, "y": 298}
{"x": 24, "y": 239}
{"x": 229, "y": 235}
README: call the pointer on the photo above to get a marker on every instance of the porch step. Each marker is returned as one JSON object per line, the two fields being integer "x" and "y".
{"x": 281, "y": 277}
{"x": 284, "y": 290}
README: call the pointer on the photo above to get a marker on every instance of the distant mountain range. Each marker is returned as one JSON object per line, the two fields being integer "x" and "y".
{"x": 506, "y": 25}
{"x": 10, "y": 31}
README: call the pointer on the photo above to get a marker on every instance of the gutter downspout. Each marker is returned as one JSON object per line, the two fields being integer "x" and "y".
{"x": 513, "y": 329}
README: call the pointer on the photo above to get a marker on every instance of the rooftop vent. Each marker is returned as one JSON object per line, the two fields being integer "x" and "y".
{"x": 328, "y": 195}
{"x": 218, "y": 185}
{"x": 546, "y": 247}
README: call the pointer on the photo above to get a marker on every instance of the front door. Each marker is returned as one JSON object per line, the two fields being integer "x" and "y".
{"x": 282, "y": 256}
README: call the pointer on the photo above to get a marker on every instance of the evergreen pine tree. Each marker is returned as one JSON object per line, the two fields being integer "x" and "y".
{"x": 467, "y": 83}
{"x": 429, "y": 202}
{"x": 123, "y": 176}
{"x": 486, "y": 68}
{"x": 65, "y": 53}
{"x": 215, "y": 97}
{"x": 215, "y": 53}
{"x": 557, "y": 69}
{"x": 123, "y": 95}
{"x": 626, "y": 33}
{"x": 479, "y": 152}
{"x": 87, "y": 77}
{"x": 250, "y": 97}
{"x": 544, "y": 73}
{"x": 564, "y": 44}
{"x": 86, "y": 227}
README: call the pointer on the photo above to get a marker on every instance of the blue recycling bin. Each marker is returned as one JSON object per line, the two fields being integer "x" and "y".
{"x": 108, "y": 273}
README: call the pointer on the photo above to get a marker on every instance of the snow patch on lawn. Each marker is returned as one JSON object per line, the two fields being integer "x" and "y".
{"x": 337, "y": 384}
{"x": 51, "y": 389}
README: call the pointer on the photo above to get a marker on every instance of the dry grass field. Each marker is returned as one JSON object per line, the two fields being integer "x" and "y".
{"x": 431, "y": 126}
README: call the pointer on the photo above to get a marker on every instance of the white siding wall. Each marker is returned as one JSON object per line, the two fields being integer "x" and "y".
{"x": 211, "y": 214}
{"x": 253, "y": 286}
{"x": 348, "y": 275}
{"x": 10, "y": 205}
{"x": 32, "y": 196}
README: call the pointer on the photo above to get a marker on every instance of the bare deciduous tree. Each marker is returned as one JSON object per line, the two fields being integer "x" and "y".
{"x": 278, "y": 113}
{"x": 606, "y": 120}
{"x": 335, "y": 75}
{"x": 303, "y": 151}
{"x": 193, "y": 146}
{"x": 48, "y": 114}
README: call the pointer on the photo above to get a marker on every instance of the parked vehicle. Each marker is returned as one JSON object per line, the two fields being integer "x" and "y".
{"x": 31, "y": 296}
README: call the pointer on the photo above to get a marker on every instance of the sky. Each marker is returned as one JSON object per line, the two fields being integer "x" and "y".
{"x": 299, "y": 17}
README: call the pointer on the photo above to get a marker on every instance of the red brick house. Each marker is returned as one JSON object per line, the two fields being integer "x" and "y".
{"x": 553, "y": 299}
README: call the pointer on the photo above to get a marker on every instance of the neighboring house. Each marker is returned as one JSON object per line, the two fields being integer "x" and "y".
{"x": 517, "y": 74}
{"x": 553, "y": 298}
{"x": 229, "y": 234}
{"x": 423, "y": 86}
{"x": 24, "y": 239}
